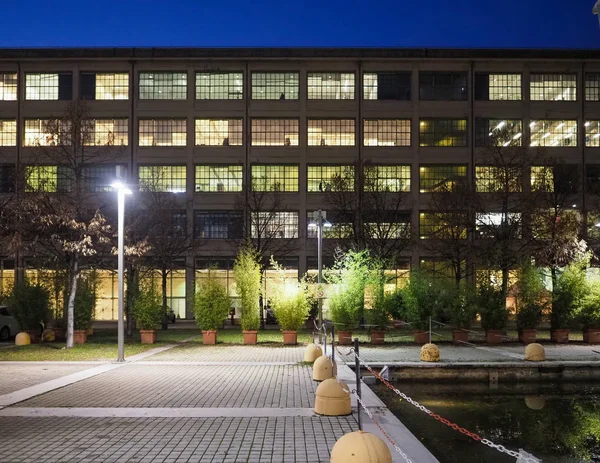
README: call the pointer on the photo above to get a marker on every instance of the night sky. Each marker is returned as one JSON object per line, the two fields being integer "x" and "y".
{"x": 212, "y": 23}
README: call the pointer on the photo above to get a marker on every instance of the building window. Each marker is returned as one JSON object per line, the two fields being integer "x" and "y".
{"x": 219, "y": 178}
{"x": 325, "y": 178}
{"x": 267, "y": 225}
{"x": 443, "y": 132}
{"x": 593, "y": 225}
{"x": 386, "y": 85}
{"x": 98, "y": 179}
{"x": 8, "y": 132}
{"x": 330, "y": 85}
{"x": 7, "y": 179}
{"x": 592, "y": 178}
{"x": 494, "y": 179}
{"x": 47, "y": 179}
{"x": 443, "y": 86}
{"x": 104, "y": 86}
{"x": 219, "y": 132}
{"x": 442, "y": 269}
{"x": 553, "y": 133}
{"x": 387, "y": 132}
{"x": 275, "y": 132}
{"x": 274, "y": 177}
{"x": 500, "y": 132}
{"x": 218, "y": 225}
{"x": 392, "y": 178}
{"x": 491, "y": 224}
{"x": 592, "y": 133}
{"x": 163, "y": 85}
{"x": 57, "y": 86}
{"x": 443, "y": 225}
{"x": 441, "y": 178}
{"x": 219, "y": 86}
{"x": 380, "y": 229}
{"x": 46, "y": 132}
{"x": 330, "y": 132}
{"x": 592, "y": 87}
{"x": 112, "y": 132}
{"x": 553, "y": 87}
{"x": 341, "y": 228}
{"x": 498, "y": 87}
{"x": 162, "y": 178}
{"x": 542, "y": 178}
{"x": 275, "y": 85}
{"x": 8, "y": 86}
{"x": 163, "y": 132}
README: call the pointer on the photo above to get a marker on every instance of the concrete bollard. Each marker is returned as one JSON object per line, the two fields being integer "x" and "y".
{"x": 430, "y": 353}
{"x": 22, "y": 339}
{"x": 360, "y": 447}
{"x": 322, "y": 369}
{"x": 331, "y": 398}
{"x": 312, "y": 353}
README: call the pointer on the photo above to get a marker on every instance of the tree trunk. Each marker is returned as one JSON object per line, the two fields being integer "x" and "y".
{"x": 71, "y": 304}
{"x": 132, "y": 288}
{"x": 164, "y": 274}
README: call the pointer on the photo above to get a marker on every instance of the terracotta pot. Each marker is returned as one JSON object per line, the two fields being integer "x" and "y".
{"x": 250, "y": 336}
{"x": 377, "y": 337}
{"x": 527, "y": 336}
{"x": 493, "y": 336}
{"x": 344, "y": 338}
{"x": 290, "y": 337}
{"x": 59, "y": 334}
{"x": 148, "y": 336}
{"x": 591, "y": 335}
{"x": 459, "y": 337}
{"x": 79, "y": 336}
{"x": 209, "y": 337}
{"x": 90, "y": 331}
{"x": 560, "y": 336}
{"x": 421, "y": 337}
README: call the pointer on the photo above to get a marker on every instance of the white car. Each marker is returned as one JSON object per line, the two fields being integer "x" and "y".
{"x": 8, "y": 324}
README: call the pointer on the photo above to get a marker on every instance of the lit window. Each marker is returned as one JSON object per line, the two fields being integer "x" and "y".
{"x": 330, "y": 132}
{"x": 341, "y": 226}
{"x": 104, "y": 86}
{"x": 274, "y": 225}
{"x": 218, "y": 225}
{"x": 219, "y": 132}
{"x": 275, "y": 85}
{"x": 386, "y": 85}
{"x": 219, "y": 178}
{"x": 163, "y": 132}
{"x": 494, "y": 179}
{"x": 275, "y": 132}
{"x": 390, "y": 178}
{"x": 383, "y": 230}
{"x": 592, "y": 133}
{"x": 592, "y": 87}
{"x": 491, "y": 224}
{"x": 325, "y": 178}
{"x": 553, "y": 87}
{"x": 8, "y": 132}
{"x": 441, "y": 178}
{"x": 443, "y": 225}
{"x": 57, "y": 86}
{"x": 47, "y": 179}
{"x": 330, "y": 85}
{"x": 8, "y": 86}
{"x": 112, "y": 132}
{"x": 498, "y": 87}
{"x": 274, "y": 177}
{"x": 162, "y": 178}
{"x": 163, "y": 85}
{"x": 46, "y": 132}
{"x": 219, "y": 86}
{"x": 553, "y": 133}
{"x": 7, "y": 179}
{"x": 542, "y": 178}
{"x": 499, "y": 132}
{"x": 443, "y": 132}
{"x": 387, "y": 132}
{"x": 443, "y": 86}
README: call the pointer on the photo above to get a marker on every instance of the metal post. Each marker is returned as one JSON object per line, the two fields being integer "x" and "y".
{"x": 121, "y": 232}
{"x": 320, "y": 268}
{"x": 357, "y": 368}
{"x": 324, "y": 329}
{"x": 429, "y": 330}
{"x": 333, "y": 368}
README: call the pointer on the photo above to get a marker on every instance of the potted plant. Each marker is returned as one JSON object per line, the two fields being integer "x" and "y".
{"x": 531, "y": 301}
{"x": 247, "y": 273}
{"x": 422, "y": 300}
{"x": 463, "y": 309}
{"x": 83, "y": 314}
{"x": 589, "y": 314}
{"x": 211, "y": 307}
{"x": 491, "y": 303}
{"x": 148, "y": 313}
{"x": 567, "y": 299}
{"x": 30, "y": 305}
{"x": 378, "y": 317}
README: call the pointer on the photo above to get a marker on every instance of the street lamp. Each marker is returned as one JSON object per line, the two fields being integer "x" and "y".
{"x": 122, "y": 190}
{"x": 319, "y": 222}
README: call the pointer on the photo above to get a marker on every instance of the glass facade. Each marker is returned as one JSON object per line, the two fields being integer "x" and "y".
{"x": 163, "y": 86}
{"x": 275, "y": 85}
{"x": 219, "y": 178}
{"x": 324, "y": 178}
{"x": 592, "y": 133}
{"x": 275, "y": 132}
{"x": 387, "y": 178}
{"x": 592, "y": 86}
{"x": 499, "y": 132}
{"x": 8, "y": 132}
{"x": 494, "y": 179}
{"x": 553, "y": 87}
{"x": 443, "y": 86}
{"x": 330, "y": 85}
{"x": 218, "y": 225}
{"x": 219, "y": 86}
{"x": 55, "y": 86}
{"x": 498, "y": 87}
{"x": 163, "y": 132}
{"x": 219, "y": 132}
{"x": 443, "y": 132}
{"x": 267, "y": 225}
{"x": 8, "y": 86}
{"x": 107, "y": 132}
{"x": 104, "y": 86}
{"x": 269, "y": 177}
{"x": 443, "y": 225}
{"x": 387, "y": 132}
{"x": 162, "y": 179}
{"x": 553, "y": 133}
{"x": 386, "y": 85}
{"x": 331, "y": 132}
{"x": 441, "y": 178}
{"x": 46, "y": 132}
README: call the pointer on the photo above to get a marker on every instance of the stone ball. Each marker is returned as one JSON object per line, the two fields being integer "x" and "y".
{"x": 535, "y": 402}
{"x": 535, "y": 352}
{"x": 430, "y": 353}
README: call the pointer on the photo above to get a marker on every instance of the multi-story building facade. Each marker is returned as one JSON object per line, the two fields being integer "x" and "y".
{"x": 212, "y": 120}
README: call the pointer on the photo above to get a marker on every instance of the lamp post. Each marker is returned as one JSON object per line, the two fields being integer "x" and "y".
{"x": 319, "y": 222}
{"x": 122, "y": 190}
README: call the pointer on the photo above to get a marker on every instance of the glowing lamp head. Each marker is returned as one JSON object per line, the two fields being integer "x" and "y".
{"x": 120, "y": 186}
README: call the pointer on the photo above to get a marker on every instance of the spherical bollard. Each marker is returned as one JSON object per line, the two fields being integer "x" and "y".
{"x": 22, "y": 339}
{"x": 430, "y": 353}
{"x": 331, "y": 398}
{"x": 535, "y": 352}
{"x": 48, "y": 335}
{"x": 312, "y": 353}
{"x": 360, "y": 447}
{"x": 322, "y": 368}
{"x": 535, "y": 402}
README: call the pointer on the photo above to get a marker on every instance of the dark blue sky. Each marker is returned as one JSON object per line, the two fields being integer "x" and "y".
{"x": 432, "y": 23}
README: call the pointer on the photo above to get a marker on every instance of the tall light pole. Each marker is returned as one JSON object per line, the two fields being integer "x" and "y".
{"x": 319, "y": 222}
{"x": 122, "y": 190}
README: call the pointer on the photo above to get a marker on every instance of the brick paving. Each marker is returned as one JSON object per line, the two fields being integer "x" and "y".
{"x": 194, "y": 352}
{"x": 19, "y": 376}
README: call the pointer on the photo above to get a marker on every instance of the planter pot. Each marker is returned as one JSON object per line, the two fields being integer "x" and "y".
{"x": 148, "y": 336}
{"x": 59, "y": 334}
{"x": 79, "y": 336}
{"x": 250, "y": 336}
{"x": 527, "y": 336}
{"x": 290, "y": 337}
{"x": 344, "y": 338}
{"x": 493, "y": 336}
{"x": 209, "y": 337}
{"x": 421, "y": 337}
{"x": 377, "y": 337}
{"x": 591, "y": 335}
{"x": 459, "y": 337}
{"x": 559, "y": 336}
{"x": 90, "y": 331}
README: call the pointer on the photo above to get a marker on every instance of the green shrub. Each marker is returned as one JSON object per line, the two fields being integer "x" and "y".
{"x": 30, "y": 305}
{"x": 212, "y": 303}
{"x": 589, "y": 312}
{"x": 290, "y": 300}
{"x": 531, "y": 297}
{"x": 248, "y": 275}
{"x": 147, "y": 308}
{"x": 463, "y": 305}
{"x": 395, "y": 306}
{"x": 85, "y": 304}
{"x": 491, "y": 303}
{"x": 424, "y": 298}
{"x": 568, "y": 295}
